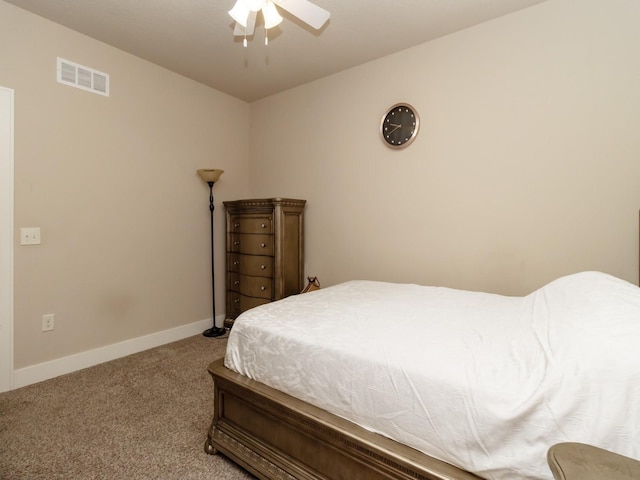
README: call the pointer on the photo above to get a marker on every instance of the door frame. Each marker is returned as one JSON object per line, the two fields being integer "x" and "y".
{"x": 6, "y": 237}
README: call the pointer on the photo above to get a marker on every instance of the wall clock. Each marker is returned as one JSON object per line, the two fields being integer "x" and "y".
{"x": 400, "y": 125}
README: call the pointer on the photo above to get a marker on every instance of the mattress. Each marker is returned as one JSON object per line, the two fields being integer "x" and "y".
{"x": 485, "y": 382}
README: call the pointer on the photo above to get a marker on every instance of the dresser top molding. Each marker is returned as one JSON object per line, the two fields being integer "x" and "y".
{"x": 266, "y": 202}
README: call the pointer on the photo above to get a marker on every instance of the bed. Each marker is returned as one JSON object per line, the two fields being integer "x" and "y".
{"x": 373, "y": 380}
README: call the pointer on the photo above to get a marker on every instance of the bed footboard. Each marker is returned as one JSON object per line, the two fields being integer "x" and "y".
{"x": 275, "y": 436}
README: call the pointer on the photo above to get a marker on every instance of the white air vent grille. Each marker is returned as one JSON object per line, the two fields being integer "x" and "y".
{"x": 82, "y": 77}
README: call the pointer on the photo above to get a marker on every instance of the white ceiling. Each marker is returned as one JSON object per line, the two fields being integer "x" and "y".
{"x": 195, "y": 37}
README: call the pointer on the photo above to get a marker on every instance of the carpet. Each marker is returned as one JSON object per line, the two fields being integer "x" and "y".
{"x": 144, "y": 416}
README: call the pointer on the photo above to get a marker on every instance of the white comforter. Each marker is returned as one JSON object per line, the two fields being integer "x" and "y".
{"x": 485, "y": 382}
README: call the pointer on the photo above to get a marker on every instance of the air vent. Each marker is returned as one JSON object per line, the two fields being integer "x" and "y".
{"x": 85, "y": 78}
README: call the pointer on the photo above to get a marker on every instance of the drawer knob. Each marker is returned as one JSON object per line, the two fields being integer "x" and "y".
{"x": 263, "y": 267}
{"x": 263, "y": 288}
{"x": 236, "y": 225}
{"x": 237, "y": 242}
{"x": 264, "y": 225}
{"x": 263, "y": 245}
{"x": 237, "y": 282}
{"x": 236, "y": 262}
{"x": 237, "y": 300}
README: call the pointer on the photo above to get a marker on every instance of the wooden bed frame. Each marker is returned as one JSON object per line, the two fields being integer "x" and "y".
{"x": 276, "y": 436}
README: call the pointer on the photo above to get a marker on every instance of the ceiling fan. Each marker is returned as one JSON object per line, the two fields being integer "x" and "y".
{"x": 245, "y": 12}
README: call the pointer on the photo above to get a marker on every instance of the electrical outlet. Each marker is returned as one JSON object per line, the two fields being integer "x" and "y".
{"x": 47, "y": 322}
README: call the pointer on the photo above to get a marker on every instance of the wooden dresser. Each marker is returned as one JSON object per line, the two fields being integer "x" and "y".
{"x": 265, "y": 252}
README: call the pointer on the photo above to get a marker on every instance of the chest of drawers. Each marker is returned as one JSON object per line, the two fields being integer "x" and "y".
{"x": 265, "y": 252}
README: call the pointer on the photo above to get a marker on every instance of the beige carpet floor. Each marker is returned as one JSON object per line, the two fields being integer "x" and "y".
{"x": 145, "y": 416}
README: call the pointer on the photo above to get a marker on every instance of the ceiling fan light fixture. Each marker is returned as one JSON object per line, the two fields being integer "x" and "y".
{"x": 255, "y": 5}
{"x": 244, "y": 12}
{"x": 240, "y": 13}
{"x": 271, "y": 16}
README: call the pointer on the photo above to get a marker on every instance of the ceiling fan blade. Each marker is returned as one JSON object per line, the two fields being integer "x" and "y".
{"x": 240, "y": 31}
{"x": 305, "y": 11}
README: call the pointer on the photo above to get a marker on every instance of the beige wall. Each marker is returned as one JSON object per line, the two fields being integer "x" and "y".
{"x": 526, "y": 168}
{"x": 112, "y": 184}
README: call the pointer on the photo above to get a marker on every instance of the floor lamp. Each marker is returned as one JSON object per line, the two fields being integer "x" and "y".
{"x": 211, "y": 176}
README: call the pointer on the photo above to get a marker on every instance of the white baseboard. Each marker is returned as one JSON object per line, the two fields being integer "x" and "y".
{"x": 61, "y": 366}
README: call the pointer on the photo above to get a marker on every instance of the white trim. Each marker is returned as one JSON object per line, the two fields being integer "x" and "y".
{"x": 6, "y": 242}
{"x": 61, "y": 366}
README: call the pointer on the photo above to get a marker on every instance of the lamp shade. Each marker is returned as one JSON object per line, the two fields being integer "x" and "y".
{"x": 240, "y": 13}
{"x": 271, "y": 16}
{"x": 210, "y": 175}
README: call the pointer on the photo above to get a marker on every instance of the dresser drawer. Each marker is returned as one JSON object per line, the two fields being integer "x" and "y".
{"x": 256, "y": 265}
{"x": 233, "y": 304}
{"x": 250, "y": 244}
{"x": 251, "y": 224}
{"x": 260, "y": 287}
{"x": 238, "y": 303}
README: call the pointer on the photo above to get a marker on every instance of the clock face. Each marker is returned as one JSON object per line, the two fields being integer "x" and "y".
{"x": 400, "y": 125}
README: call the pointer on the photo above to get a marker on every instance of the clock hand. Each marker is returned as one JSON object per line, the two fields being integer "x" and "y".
{"x": 395, "y": 127}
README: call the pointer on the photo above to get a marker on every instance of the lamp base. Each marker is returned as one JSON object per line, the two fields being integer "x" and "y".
{"x": 214, "y": 332}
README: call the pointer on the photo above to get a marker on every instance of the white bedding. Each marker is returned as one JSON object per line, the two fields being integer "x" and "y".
{"x": 485, "y": 382}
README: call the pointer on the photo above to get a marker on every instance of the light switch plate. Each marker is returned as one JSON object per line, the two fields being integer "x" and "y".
{"x": 30, "y": 236}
